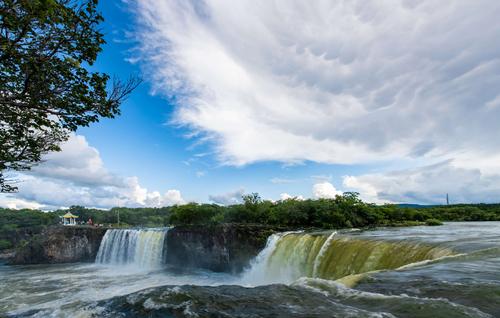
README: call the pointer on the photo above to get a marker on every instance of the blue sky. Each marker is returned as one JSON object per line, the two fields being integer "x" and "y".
{"x": 165, "y": 157}
{"x": 397, "y": 100}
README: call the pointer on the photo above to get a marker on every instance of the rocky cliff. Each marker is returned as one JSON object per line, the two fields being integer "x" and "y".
{"x": 59, "y": 244}
{"x": 221, "y": 248}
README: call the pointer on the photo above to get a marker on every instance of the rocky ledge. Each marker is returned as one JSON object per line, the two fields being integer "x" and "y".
{"x": 220, "y": 248}
{"x": 60, "y": 244}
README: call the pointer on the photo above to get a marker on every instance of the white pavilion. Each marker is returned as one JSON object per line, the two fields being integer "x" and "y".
{"x": 69, "y": 219}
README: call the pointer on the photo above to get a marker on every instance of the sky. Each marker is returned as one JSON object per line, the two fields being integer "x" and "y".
{"x": 398, "y": 100}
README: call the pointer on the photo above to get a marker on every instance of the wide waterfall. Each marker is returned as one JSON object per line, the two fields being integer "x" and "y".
{"x": 289, "y": 256}
{"x": 142, "y": 248}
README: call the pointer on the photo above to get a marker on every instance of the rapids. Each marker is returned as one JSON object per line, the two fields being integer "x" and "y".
{"x": 445, "y": 271}
{"x": 289, "y": 256}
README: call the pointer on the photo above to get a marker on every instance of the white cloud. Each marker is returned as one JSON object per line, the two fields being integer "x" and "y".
{"x": 77, "y": 176}
{"x": 78, "y": 162}
{"x": 325, "y": 190}
{"x": 327, "y": 81}
{"x": 200, "y": 173}
{"x": 286, "y": 196}
{"x": 428, "y": 185}
{"x": 171, "y": 197}
{"x": 14, "y": 203}
{"x": 229, "y": 198}
{"x": 367, "y": 191}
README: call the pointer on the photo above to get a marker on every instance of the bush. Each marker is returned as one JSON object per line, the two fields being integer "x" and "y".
{"x": 433, "y": 222}
{"x": 4, "y": 244}
{"x": 193, "y": 213}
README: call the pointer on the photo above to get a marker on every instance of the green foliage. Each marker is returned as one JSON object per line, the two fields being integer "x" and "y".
{"x": 11, "y": 220}
{"x": 14, "y": 223}
{"x": 433, "y": 222}
{"x": 193, "y": 213}
{"x": 4, "y": 244}
{"x": 46, "y": 89}
{"x": 147, "y": 217}
{"x": 344, "y": 211}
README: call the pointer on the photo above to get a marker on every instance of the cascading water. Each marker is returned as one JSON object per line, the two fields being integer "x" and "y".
{"x": 465, "y": 284}
{"x": 290, "y": 256}
{"x": 142, "y": 248}
{"x": 322, "y": 251}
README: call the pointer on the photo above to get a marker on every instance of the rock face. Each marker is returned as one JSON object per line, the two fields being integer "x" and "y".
{"x": 221, "y": 248}
{"x": 60, "y": 244}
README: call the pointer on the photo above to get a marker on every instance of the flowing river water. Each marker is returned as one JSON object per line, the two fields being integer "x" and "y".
{"x": 444, "y": 271}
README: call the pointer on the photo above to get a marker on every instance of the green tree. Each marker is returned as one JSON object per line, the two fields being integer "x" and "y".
{"x": 46, "y": 89}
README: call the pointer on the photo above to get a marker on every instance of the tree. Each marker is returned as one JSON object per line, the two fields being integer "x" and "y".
{"x": 46, "y": 89}
{"x": 251, "y": 199}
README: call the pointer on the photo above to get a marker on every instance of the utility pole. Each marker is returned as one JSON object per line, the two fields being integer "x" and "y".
{"x": 118, "y": 212}
{"x": 447, "y": 199}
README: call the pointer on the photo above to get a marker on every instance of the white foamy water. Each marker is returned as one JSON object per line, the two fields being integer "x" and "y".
{"x": 65, "y": 286}
{"x": 257, "y": 272}
{"x": 324, "y": 248}
{"x": 128, "y": 258}
{"x": 142, "y": 248}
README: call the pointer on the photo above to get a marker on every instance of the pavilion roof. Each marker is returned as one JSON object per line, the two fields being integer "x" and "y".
{"x": 69, "y": 215}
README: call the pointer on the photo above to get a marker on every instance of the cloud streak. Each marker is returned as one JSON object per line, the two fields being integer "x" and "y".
{"x": 331, "y": 82}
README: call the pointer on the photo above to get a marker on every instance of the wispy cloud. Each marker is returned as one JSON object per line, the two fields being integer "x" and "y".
{"x": 355, "y": 83}
{"x": 200, "y": 173}
{"x": 331, "y": 82}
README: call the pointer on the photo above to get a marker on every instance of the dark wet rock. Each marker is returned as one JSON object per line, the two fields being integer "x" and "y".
{"x": 220, "y": 248}
{"x": 6, "y": 255}
{"x": 278, "y": 301}
{"x": 60, "y": 244}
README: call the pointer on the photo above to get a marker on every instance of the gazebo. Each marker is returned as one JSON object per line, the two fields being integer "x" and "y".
{"x": 69, "y": 219}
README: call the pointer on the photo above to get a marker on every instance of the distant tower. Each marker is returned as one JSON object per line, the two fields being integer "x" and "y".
{"x": 447, "y": 199}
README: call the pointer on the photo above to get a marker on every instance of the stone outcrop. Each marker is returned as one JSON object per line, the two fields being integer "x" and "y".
{"x": 221, "y": 248}
{"x": 60, "y": 244}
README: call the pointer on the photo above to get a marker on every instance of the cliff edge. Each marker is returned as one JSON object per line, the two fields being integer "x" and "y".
{"x": 220, "y": 248}
{"x": 60, "y": 244}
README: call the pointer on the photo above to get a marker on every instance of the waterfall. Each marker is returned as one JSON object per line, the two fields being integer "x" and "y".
{"x": 141, "y": 248}
{"x": 330, "y": 256}
{"x": 322, "y": 251}
{"x": 256, "y": 273}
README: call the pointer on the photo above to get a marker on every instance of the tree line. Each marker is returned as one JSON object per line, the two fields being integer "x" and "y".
{"x": 343, "y": 211}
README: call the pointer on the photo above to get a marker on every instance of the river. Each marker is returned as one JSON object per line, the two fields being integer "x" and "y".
{"x": 442, "y": 271}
